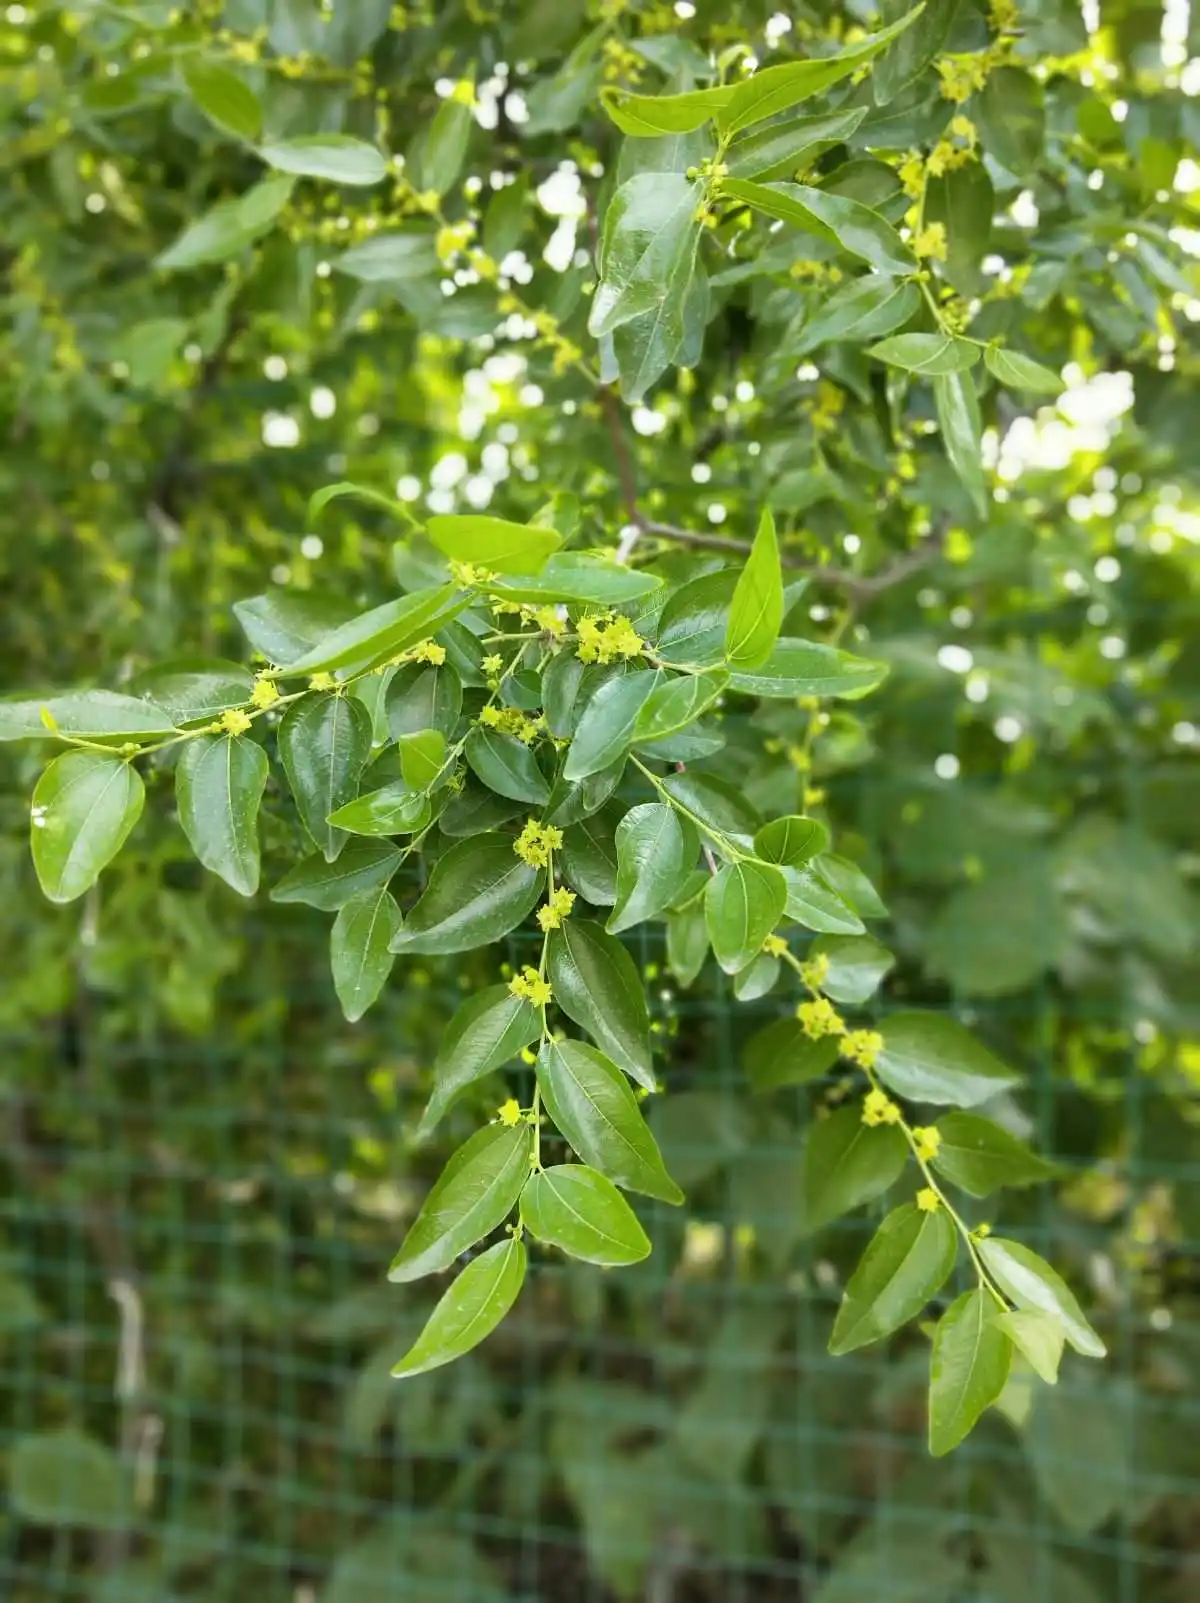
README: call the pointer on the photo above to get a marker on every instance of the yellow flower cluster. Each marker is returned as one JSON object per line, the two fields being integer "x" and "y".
{"x": 948, "y": 154}
{"x": 928, "y": 1141}
{"x": 604, "y": 639}
{"x": 509, "y": 1113}
{"x": 511, "y": 721}
{"x": 931, "y": 241}
{"x": 1004, "y": 15}
{"x": 492, "y": 665}
{"x": 322, "y": 681}
{"x": 556, "y": 909}
{"x": 927, "y": 1200}
{"x": 546, "y": 618}
{"x": 820, "y": 1018}
{"x": 531, "y": 987}
{"x": 961, "y": 76}
{"x": 774, "y": 946}
{"x": 879, "y": 1109}
{"x": 863, "y": 1047}
{"x": 426, "y": 651}
{"x": 469, "y": 574}
{"x": 233, "y": 722}
{"x": 265, "y": 693}
{"x": 815, "y": 971}
{"x": 828, "y": 407}
{"x": 536, "y": 842}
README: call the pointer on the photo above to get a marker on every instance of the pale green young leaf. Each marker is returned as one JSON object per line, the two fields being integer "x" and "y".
{"x": 847, "y": 880}
{"x": 219, "y": 785}
{"x": 857, "y": 965}
{"x": 361, "y": 866}
{"x": 927, "y": 354}
{"x": 507, "y": 766}
{"x": 422, "y": 758}
{"x": 359, "y": 949}
{"x": 804, "y": 668}
{"x": 742, "y": 905}
{"x": 390, "y": 258}
{"x": 493, "y": 543}
{"x": 324, "y": 741}
{"x": 929, "y": 1057}
{"x": 791, "y": 840}
{"x": 84, "y": 807}
{"x": 223, "y": 97}
{"x": 470, "y": 1310}
{"x": 394, "y": 809}
{"x": 677, "y": 704}
{"x": 581, "y": 1212}
{"x": 1032, "y": 1284}
{"x": 436, "y": 156}
{"x": 970, "y": 1364}
{"x": 908, "y": 1261}
{"x": 580, "y": 577}
{"x": 981, "y": 1156}
{"x": 1021, "y": 372}
{"x": 478, "y": 891}
{"x": 656, "y": 850}
{"x": 487, "y": 1031}
{"x": 846, "y": 1163}
{"x": 476, "y": 1191}
{"x": 1038, "y": 1336}
{"x": 756, "y": 612}
{"x": 336, "y": 157}
{"x": 381, "y": 633}
{"x": 591, "y": 1103}
{"x": 606, "y": 729}
{"x": 649, "y": 116}
{"x": 597, "y": 984}
{"x": 344, "y": 488}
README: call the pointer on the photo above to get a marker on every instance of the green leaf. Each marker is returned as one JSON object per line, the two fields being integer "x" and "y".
{"x": 596, "y": 983}
{"x": 229, "y": 228}
{"x": 1032, "y": 1284}
{"x": 363, "y": 865}
{"x": 695, "y": 618}
{"x": 677, "y": 704}
{"x": 284, "y": 623}
{"x": 687, "y": 943}
{"x": 337, "y": 157}
{"x": 656, "y": 850}
{"x": 63, "y": 1477}
{"x": 848, "y": 881}
{"x": 589, "y": 859}
{"x": 791, "y": 840}
{"x": 507, "y": 766}
{"x": 591, "y": 1103}
{"x": 84, "y": 806}
{"x": 857, "y": 965}
{"x": 861, "y": 309}
{"x": 1039, "y": 1337}
{"x": 492, "y": 543}
{"x": 475, "y": 1192}
{"x": 782, "y": 1054}
{"x": 773, "y": 89}
{"x": 981, "y": 1156}
{"x": 928, "y": 354}
{"x": 907, "y": 57}
{"x": 651, "y": 231}
{"x": 394, "y": 809}
{"x": 422, "y": 758}
{"x": 847, "y": 1162}
{"x": 928, "y": 1057}
{"x": 577, "y": 576}
{"x": 802, "y": 668}
{"x": 606, "y": 729}
{"x": 742, "y": 905}
{"x": 781, "y": 149}
{"x": 471, "y": 1309}
{"x": 359, "y": 949}
{"x": 1021, "y": 372}
{"x": 712, "y": 801}
{"x": 811, "y": 903}
{"x": 347, "y": 489}
{"x": 581, "y": 1212}
{"x": 436, "y": 157}
{"x": 757, "y": 978}
{"x": 648, "y": 116}
{"x": 488, "y": 1030}
{"x": 908, "y": 1261}
{"x": 219, "y": 785}
{"x": 324, "y": 741}
{"x": 971, "y": 1359}
{"x": 1011, "y": 117}
{"x": 192, "y": 691}
{"x": 958, "y": 418}
{"x": 223, "y": 97}
{"x": 756, "y": 613}
{"x": 87, "y": 714}
{"x": 963, "y": 201}
{"x": 477, "y": 893}
{"x": 836, "y": 219}
{"x": 423, "y": 697}
{"x": 383, "y": 632}
{"x": 391, "y": 258}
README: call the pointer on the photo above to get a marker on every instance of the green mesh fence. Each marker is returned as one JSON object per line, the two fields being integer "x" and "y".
{"x": 195, "y": 1334}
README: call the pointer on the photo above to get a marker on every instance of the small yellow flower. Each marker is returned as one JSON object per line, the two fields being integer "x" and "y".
{"x": 322, "y": 681}
{"x": 509, "y": 1113}
{"x": 931, "y": 241}
{"x": 820, "y": 1018}
{"x": 531, "y": 987}
{"x": 863, "y": 1047}
{"x": 878, "y": 1108}
{"x": 265, "y": 693}
{"x": 815, "y": 971}
{"x": 961, "y": 77}
{"x": 774, "y": 946}
{"x": 547, "y": 618}
{"x": 556, "y": 909}
{"x": 536, "y": 842}
{"x": 982, "y": 1232}
{"x": 427, "y": 651}
{"x": 928, "y": 1200}
{"x": 912, "y": 174}
{"x": 492, "y": 666}
{"x": 234, "y": 721}
{"x": 928, "y": 1141}
{"x": 469, "y": 574}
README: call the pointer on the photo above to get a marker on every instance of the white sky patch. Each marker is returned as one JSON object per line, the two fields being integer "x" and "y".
{"x": 561, "y": 195}
{"x": 560, "y": 247}
{"x": 280, "y": 430}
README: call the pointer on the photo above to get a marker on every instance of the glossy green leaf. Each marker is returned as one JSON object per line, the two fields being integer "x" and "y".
{"x": 656, "y": 850}
{"x": 970, "y": 1364}
{"x": 981, "y": 1156}
{"x": 848, "y": 881}
{"x": 695, "y": 618}
{"x": 597, "y": 984}
{"x": 962, "y": 429}
{"x": 836, "y": 219}
{"x": 742, "y": 905}
{"x": 493, "y": 543}
{"x": 383, "y": 632}
{"x": 648, "y": 116}
{"x": 283, "y": 624}
{"x": 677, "y": 704}
{"x": 928, "y": 1057}
{"x": 606, "y": 729}
{"x": 781, "y": 149}
{"x": 336, "y": 157}
{"x": 507, "y": 766}
{"x": 394, "y": 809}
{"x": 847, "y": 1162}
{"x": 488, "y": 1030}
{"x": 577, "y": 576}
{"x": 861, "y": 309}
{"x": 927, "y": 354}
{"x": 581, "y": 1212}
{"x": 87, "y": 714}
{"x": 219, "y": 785}
{"x": 588, "y": 859}
{"x": 803, "y": 668}
{"x": 756, "y": 612}
{"x": 962, "y": 201}
{"x": 391, "y": 258}
{"x": 591, "y": 1103}
{"x": 908, "y": 1261}
{"x": 1021, "y": 372}
{"x": 907, "y": 57}
{"x": 1011, "y": 118}
{"x": 346, "y": 489}
{"x": 1038, "y": 1336}
{"x": 84, "y": 807}
{"x": 475, "y": 1192}
{"x": 571, "y": 803}
{"x": 757, "y": 979}
{"x": 782, "y": 1054}
{"x": 712, "y": 801}
{"x": 651, "y": 231}
{"x": 477, "y": 893}
{"x": 223, "y": 97}
{"x": 811, "y": 903}
{"x": 422, "y": 697}
{"x": 1032, "y": 1284}
{"x": 361, "y": 866}
{"x": 359, "y": 949}
{"x": 687, "y": 943}
{"x": 857, "y": 965}
{"x": 191, "y": 690}
{"x": 422, "y": 758}
{"x": 230, "y": 227}
{"x": 470, "y": 1310}
{"x": 790, "y": 840}
{"x": 324, "y": 741}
